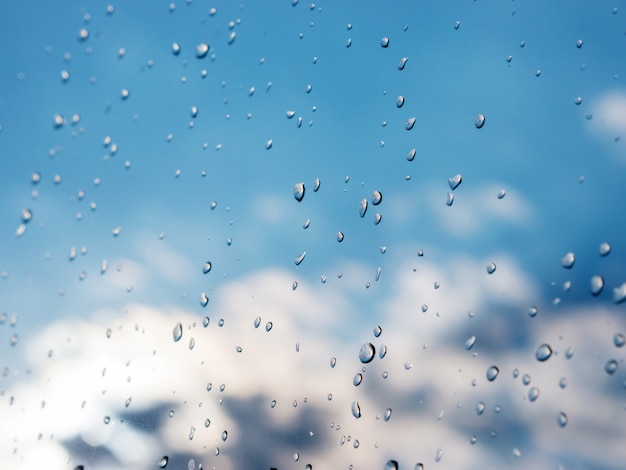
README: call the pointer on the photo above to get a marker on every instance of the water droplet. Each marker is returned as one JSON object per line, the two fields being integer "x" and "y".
{"x": 178, "y": 331}
{"x": 543, "y": 352}
{"x": 596, "y": 285}
{"x": 306, "y": 224}
{"x": 578, "y": 100}
{"x": 358, "y": 378}
{"x": 479, "y": 121}
{"x": 402, "y": 63}
{"x": 579, "y": 43}
{"x": 611, "y": 367}
{"x": 316, "y": 185}
{"x": 224, "y": 436}
{"x": 298, "y": 191}
{"x": 363, "y": 207}
{"x": 333, "y": 362}
{"x": 124, "y": 93}
{"x": 83, "y": 34}
{"x": 619, "y": 340}
{"x": 309, "y": 87}
{"x": 294, "y": 286}
{"x": 411, "y": 155}
{"x": 268, "y": 144}
{"x": 231, "y": 37}
{"x": 384, "y": 42}
{"x": 450, "y": 199}
{"x": 299, "y": 260}
{"x": 377, "y": 218}
{"x": 377, "y": 197}
{"x": 106, "y": 420}
{"x": 367, "y": 353}
{"x": 568, "y": 260}
{"x": 604, "y": 249}
{"x": 391, "y": 465}
{"x": 509, "y": 58}
{"x": 163, "y": 462}
{"x": 492, "y": 373}
{"x": 480, "y": 408}
{"x": 377, "y": 331}
{"x": 205, "y": 321}
{"x": 532, "y": 311}
{"x": 207, "y": 267}
{"x": 562, "y": 419}
{"x": 563, "y": 382}
{"x": 439, "y": 455}
{"x": 455, "y": 181}
{"x": 533, "y": 394}
{"x": 619, "y": 294}
{"x": 408, "y": 125}
{"x": 400, "y": 101}
{"x": 356, "y": 409}
{"x": 175, "y": 48}
{"x": 204, "y": 300}
{"x": 469, "y": 343}
{"x": 202, "y": 50}
{"x": 207, "y": 423}
{"x": 257, "y": 322}
{"x": 491, "y": 268}
{"x": 339, "y": 237}
{"x": 192, "y": 431}
{"x": 538, "y": 73}
{"x": 457, "y": 25}
{"x": 501, "y": 194}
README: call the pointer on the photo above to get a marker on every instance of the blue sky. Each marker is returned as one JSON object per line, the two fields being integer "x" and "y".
{"x": 560, "y": 163}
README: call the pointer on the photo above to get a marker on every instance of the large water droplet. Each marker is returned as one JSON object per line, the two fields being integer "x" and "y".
{"x": 596, "y": 285}
{"x": 391, "y": 465}
{"x": 543, "y": 352}
{"x": 479, "y": 121}
{"x": 163, "y": 461}
{"x": 402, "y": 63}
{"x": 377, "y": 197}
{"x": 298, "y": 191}
{"x": 492, "y": 373}
{"x": 469, "y": 343}
{"x": 363, "y": 207}
{"x": 177, "y": 333}
{"x": 411, "y": 155}
{"x": 533, "y": 394}
{"x": 611, "y": 367}
{"x": 562, "y": 419}
{"x": 299, "y": 260}
{"x": 568, "y": 260}
{"x": 455, "y": 181}
{"x": 491, "y": 268}
{"x": 408, "y": 125}
{"x": 356, "y": 409}
{"x": 367, "y": 353}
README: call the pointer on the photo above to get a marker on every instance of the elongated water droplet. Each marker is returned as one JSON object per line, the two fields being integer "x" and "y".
{"x": 205, "y": 321}
{"x": 268, "y": 326}
{"x": 568, "y": 260}
{"x": 479, "y": 121}
{"x": 177, "y": 333}
{"x": 299, "y": 259}
{"x": 562, "y": 419}
{"x": 491, "y": 268}
{"x": 356, "y": 409}
{"x": 339, "y": 237}
{"x": 450, "y": 199}
{"x": 611, "y": 367}
{"x": 269, "y": 143}
{"x": 377, "y": 331}
{"x": 408, "y": 125}
{"x": 543, "y": 352}
{"x": 316, "y": 185}
{"x": 204, "y": 299}
{"x": 457, "y": 25}
{"x": 470, "y": 342}
{"x": 387, "y": 414}
{"x": 175, "y": 48}
{"x": 298, "y": 191}
{"x": 363, "y": 207}
{"x": 358, "y": 378}
{"x": 163, "y": 461}
{"x": 224, "y": 436}
{"x": 533, "y": 394}
{"x": 400, "y": 101}
{"x": 439, "y": 455}
{"x": 192, "y": 431}
{"x": 257, "y": 322}
{"x": 333, "y": 362}
{"x": 367, "y": 353}
{"x": 377, "y": 218}
{"x": 384, "y": 42}
{"x": 492, "y": 373}
{"x": 294, "y": 286}
{"x": 501, "y": 194}
{"x": 480, "y": 408}
{"x": 306, "y": 224}
{"x": 455, "y": 181}
{"x": 411, "y": 155}
{"x": 402, "y": 63}
{"x": 596, "y": 285}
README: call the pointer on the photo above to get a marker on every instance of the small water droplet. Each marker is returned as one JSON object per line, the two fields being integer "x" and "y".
{"x": 492, "y": 373}
{"x": 457, "y": 25}
{"x": 339, "y": 237}
{"x": 207, "y": 423}
{"x": 596, "y": 285}
{"x": 480, "y": 408}
{"x": 377, "y": 331}
{"x": 163, "y": 461}
{"x": 408, "y": 125}
{"x": 491, "y": 268}
{"x": 204, "y": 299}
{"x": 450, "y": 199}
{"x": 257, "y": 322}
{"x": 579, "y": 43}
{"x": 358, "y": 378}
{"x": 568, "y": 260}
{"x": 207, "y": 267}
{"x": 538, "y": 73}
{"x": 299, "y": 260}
{"x": 532, "y": 311}
{"x": 367, "y": 353}
{"x": 526, "y": 379}
{"x": 306, "y": 224}
{"x": 377, "y": 218}
{"x": 562, "y": 419}
{"x": 202, "y": 50}
{"x": 192, "y": 431}
{"x": 533, "y": 394}
{"x": 382, "y": 351}
{"x": 479, "y": 121}
{"x": 400, "y": 101}
{"x": 402, "y": 63}
{"x": 543, "y": 352}
{"x": 356, "y": 409}
{"x": 604, "y": 249}
{"x": 501, "y": 193}
{"x": 455, "y": 181}
{"x": 309, "y": 87}
{"x": 107, "y": 419}
{"x": 619, "y": 340}
{"x": 563, "y": 382}
{"x": 268, "y": 144}
{"x": 316, "y": 185}
{"x": 333, "y": 362}
{"x": 384, "y": 42}
{"x": 469, "y": 343}
{"x": 294, "y": 286}
{"x": 224, "y": 436}
{"x": 619, "y": 294}
{"x": 363, "y": 207}
{"x": 377, "y": 197}
{"x": 439, "y": 455}
{"x": 205, "y": 321}
{"x": 298, "y": 191}
{"x": 387, "y": 414}
{"x": 411, "y": 155}
{"x": 611, "y": 367}
{"x": 231, "y": 37}
{"x": 177, "y": 332}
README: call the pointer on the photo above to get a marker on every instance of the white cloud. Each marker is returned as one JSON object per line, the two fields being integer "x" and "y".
{"x": 609, "y": 122}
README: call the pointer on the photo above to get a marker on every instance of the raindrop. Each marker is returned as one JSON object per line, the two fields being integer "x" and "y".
{"x": 224, "y": 436}
{"x": 299, "y": 259}
{"x": 377, "y": 331}
{"x": 543, "y": 352}
{"x": 619, "y": 340}
{"x": 348, "y": 42}
{"x": 439, "y": 455}
{"x": 562, "y": 419}
{"x": 450, "y": 199}
{"x": 384, "y": 42}
{"x": 36, "y": 178}
{"x": 619, "y": 294}
{"x": 163, "y": 462}
{"x": 563, "y": 382}
{"x": 473, "y": 439}
{"x": 83, "y": 34}
{"x": 400, "y": 101}
{"x": 316, "y": 185}
{"x": 377, "y": 218}
{"x": 377, "y": 197}
{"x": 268, "y": 144}
{"x": 480, "y": 408}
{"x": 538, "y": 73}
{"x": 383, "y": 351}
{"x": 596, "y": 285}
{"x": 178, "y": 331}
{"x": 58, "y": 120}
{"x": 367, "y": 353}
{"x": 309, "y": 87}
{"x": 457, "y": 25}
{"x": 501, "y": 193}
{"x": 294, "y": 286}
{"x": 604, "y": 249}
{"x": 578, "y": 100}
{"x": 491, "y": 268}
{"x": 306, "y": 224}
{"x": 124, "y": 93}
{"x": 409, "y": 124}
{"x": 568, "y": 260}
{"x": 579, "y": 43}
{"x": 192, "y": 431}
{"x": 202, "y": 50}
{"x": 26, "y": 215}
{"x": 257, "y": 322}
{"x": 107, "y": 419}
{"x": 470, "y": 342}
{"x": 363, "y": 207}
{"x": 411, "y": 155}
{"x": 175, "y": 48}
{"x": 298, "y": 191}
{"x": 391, "y": 465}
{"x": 492, "y": 373}
{"x": 333, "y": 362}
{"x": 339, "y": 237}
{"x": 268, "y": 326}
{"x": 205, "y": 322}
{"x": 356, "y": 409}
{"x": 402, "y": 63}
{"x": 533, "y": 394}
{"x": 479, "y": 121}
{"x": 358, "y": 378}
{"x": 526, "y": 379}
{"x": 204, "y": 300}
{"x": 455, "y": 181}
{"x": 207, "y": 267}
{"x": 231, "y": 37}
{"x": 532, "y": 311}
{"x": 610, "y": 367}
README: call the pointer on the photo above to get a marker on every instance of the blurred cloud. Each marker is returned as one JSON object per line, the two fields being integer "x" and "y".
{"x": 609, "y": 122}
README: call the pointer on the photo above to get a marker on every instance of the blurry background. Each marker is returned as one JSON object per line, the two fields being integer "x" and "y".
{"x": 171, "y": 299}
